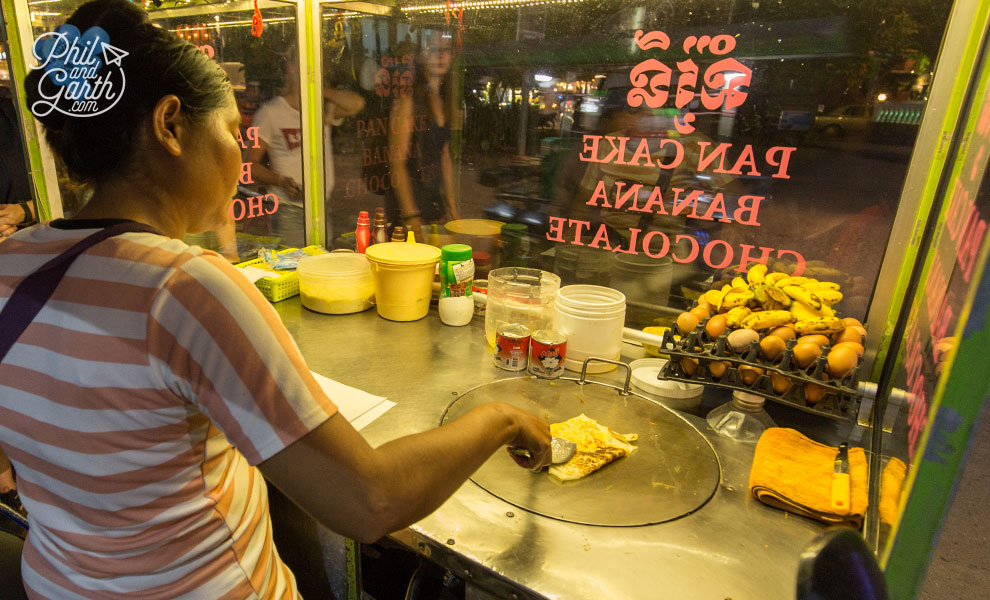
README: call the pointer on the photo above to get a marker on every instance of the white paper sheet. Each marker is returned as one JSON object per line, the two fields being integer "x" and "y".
{"x": 359, "y": 407}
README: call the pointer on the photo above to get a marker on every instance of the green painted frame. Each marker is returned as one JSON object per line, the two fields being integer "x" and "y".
{"x": 961, "y": 390}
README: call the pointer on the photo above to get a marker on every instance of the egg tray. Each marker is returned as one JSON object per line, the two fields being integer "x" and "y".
{"x": 841, "y": 398}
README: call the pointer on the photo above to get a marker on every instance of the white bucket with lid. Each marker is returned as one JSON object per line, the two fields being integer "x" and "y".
{"x": 592, "y": 318}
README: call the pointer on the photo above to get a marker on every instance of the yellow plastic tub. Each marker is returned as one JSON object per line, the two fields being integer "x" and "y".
{"x": 403, "y": 277}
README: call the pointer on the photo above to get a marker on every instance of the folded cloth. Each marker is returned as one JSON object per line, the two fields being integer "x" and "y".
{"x": 891, "y": 484}
{"x": 794, "y": 473}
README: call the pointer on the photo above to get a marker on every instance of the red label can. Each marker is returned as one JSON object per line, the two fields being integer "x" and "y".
{"x": 511, "y": 346}
{"x": 547, "y": 350}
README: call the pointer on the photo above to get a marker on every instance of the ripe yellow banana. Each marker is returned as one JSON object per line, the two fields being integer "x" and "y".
{"x": 803, "y": 312}
{"x": 823, "y": 325}
{"x": 757, "y": 274}
{"x": 739, "y": 282}
{"x": 802, "y": 295}
{"x": 777, "y": 295}
{"x": 734, "y": 317}
{"x": 827, "y": 285}
{"x": 774, "y": 278}
{"x": 795, "y": 281}
{"x": 734, "y": 299}
{"x": 768, "y": 319}
{"x": 714, "y": 297}
{"x": 829, "y": 297}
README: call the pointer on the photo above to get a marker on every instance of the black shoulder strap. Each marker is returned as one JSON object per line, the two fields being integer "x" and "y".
{"x": 35, "y": 289}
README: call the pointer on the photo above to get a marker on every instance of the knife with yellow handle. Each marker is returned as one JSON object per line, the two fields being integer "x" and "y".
{"x": 840, "y": 482}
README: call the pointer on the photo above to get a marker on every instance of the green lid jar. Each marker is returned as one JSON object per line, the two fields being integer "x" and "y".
{"x": 456, "y": 270}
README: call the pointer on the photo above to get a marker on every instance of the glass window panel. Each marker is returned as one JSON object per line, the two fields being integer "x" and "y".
{"x": 267, "y": 210}
{"x": 719, "y": 138}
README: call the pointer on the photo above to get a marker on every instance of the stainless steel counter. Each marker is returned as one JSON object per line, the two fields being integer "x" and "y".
{"x": 733, "y": 547}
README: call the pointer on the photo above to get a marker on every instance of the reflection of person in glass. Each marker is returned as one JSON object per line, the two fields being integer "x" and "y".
{"x": 419, "y": 143}
{"x": 16, "y": 205}
{"x": 280, "y": 135}
{"x": 142, "y": 465}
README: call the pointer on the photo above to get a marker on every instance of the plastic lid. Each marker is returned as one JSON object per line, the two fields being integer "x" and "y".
{"x": 455, "y": 252}
{"x": 474, "y": 227}
{"x": 334, "y": 264}
{"x": 403, "y": 253}
{"x": 644, "y": 377}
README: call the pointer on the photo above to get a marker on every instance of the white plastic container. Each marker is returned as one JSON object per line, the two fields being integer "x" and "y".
{"x": 592, "y": 318}
{"x": 338, "y": 283}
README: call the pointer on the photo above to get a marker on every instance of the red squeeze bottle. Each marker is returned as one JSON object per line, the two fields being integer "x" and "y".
{"x": 362, "y": 234}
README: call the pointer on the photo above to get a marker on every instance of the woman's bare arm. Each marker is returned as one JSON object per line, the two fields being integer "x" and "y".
{"x": 365, "y": 493}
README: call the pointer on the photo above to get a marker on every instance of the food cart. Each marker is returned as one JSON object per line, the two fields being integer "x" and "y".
{"x": 671, "y": 155}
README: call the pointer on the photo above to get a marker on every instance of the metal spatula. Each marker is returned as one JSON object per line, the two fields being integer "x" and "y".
{"x": 561, "y": 450}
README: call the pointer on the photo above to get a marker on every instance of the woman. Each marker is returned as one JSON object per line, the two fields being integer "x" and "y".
{"x": 419, "y": 144}
{"x": 139, "y": 402}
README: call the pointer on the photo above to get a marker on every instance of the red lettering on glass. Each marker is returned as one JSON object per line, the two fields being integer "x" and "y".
{"x": 970, "y": 246}
{"x": 686, "y": 83}
{"x": 274, "y": 200}
{"x": 727, "y": 76}
{"x": 958, "y": 203}
{"x": 745, "y": 259}
{"x": 978, "y": 163}
{"x": 936, "y": 285}
{"x": 785, "y": 158}
{"x": 726, "y": 259}
{"x": 693, "y": 243}
{"x": 252, "y": 135}
{"x": 245, "y": 178}
{"x": 657, "y": 94}
{"x": 799, "y": 268}
{"x": 653, "y": 39}
{"x": 648, "y": 243}
{"x": 940, "y": 325}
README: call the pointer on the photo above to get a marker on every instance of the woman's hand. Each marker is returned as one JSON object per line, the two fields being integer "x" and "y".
{"x": 10, "y": 216}
{"x": 533, "y": 435}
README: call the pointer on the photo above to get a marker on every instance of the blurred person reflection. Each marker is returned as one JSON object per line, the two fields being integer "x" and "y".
{"x": 16, "y": 203}
{"x": 419, "y": 143}
{"x": 280, "y": 142}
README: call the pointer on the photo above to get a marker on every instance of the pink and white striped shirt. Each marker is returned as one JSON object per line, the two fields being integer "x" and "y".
{"x": 134, "y": 409}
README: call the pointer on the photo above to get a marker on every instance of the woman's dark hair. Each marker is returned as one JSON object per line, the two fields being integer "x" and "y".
{"x": 158, "y": 64}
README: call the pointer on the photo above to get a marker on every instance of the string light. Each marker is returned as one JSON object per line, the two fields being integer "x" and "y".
{"x": 481, "y": 4}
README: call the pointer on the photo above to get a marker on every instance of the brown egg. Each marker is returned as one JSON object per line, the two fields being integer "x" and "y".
{"x": 858, "y": 348}
{"x": 781, "y": 383}
{"x": 815, "y": 338}
{"x": 690, "y": 366}
{"x": 813, "y": 393}
{"x": 740, "y": 339}
{"x": 717, "y": 368}
{"x": 702, "y": 303}
{"x": 805, "y": 353}
{"x": 852, "y": 333}
{"x": 771, "y": 346}
{"x": 784, "y": 332}
{"x": 686, "y": 322}
{"x": 749, "y": 374}
{"x": 715, "y": 326}
{"x": 841, "y": 360}
{"x": 700, "y": 312}
{"x": 851, "y": 321}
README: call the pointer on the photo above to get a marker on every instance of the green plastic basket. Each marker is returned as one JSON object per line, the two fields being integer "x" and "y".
{"x": 284, "y": 286}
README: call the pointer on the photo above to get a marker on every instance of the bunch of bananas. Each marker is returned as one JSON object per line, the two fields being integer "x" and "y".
{"x": 768, "y": 300}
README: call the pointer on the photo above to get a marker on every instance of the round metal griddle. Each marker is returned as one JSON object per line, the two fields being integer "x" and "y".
{"x": 672, "y": 473}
